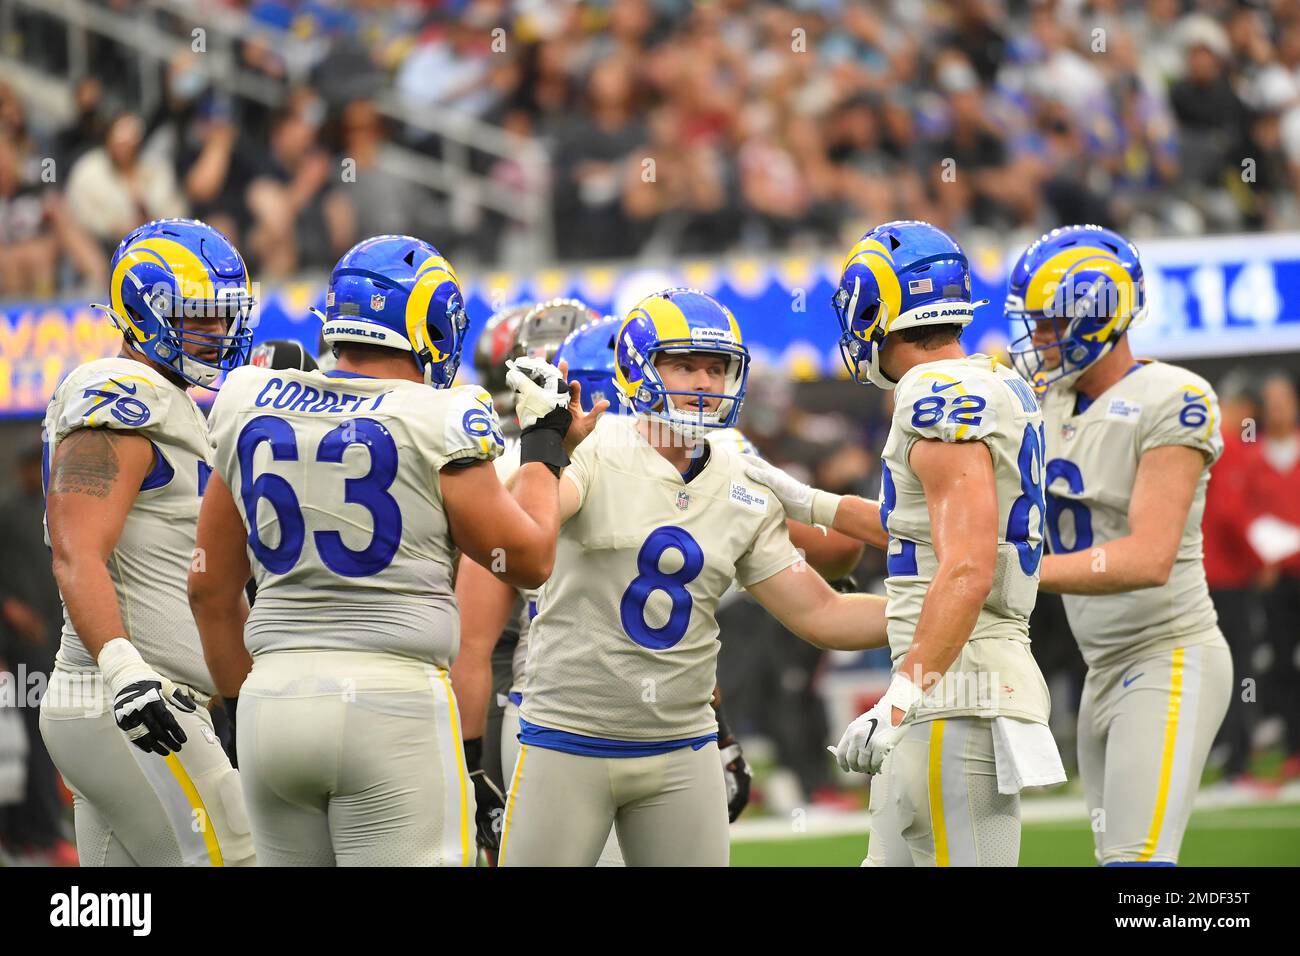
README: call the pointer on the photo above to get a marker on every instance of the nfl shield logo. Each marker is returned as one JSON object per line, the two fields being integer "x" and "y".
{"x": 1067, "y": 431}
{"x": 376, "y": 302}
{"x": 683, "y": 501}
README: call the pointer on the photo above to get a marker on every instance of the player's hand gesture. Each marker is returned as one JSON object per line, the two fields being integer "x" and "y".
{"x": 539, "y": 389}
{"x": 583, "y": 422}
{"x": 870, "y": 738}
{"x": 142, "y": 699}
{"x": 795, "y": 497}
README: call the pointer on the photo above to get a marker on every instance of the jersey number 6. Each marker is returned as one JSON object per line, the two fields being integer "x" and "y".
{"x": 370, "y": 491}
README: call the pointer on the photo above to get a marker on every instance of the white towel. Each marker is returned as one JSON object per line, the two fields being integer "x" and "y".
{"x": 1026, "y": 755}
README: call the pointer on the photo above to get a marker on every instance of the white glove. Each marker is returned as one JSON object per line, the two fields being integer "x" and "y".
{"x": 539, "y": 389}
{"x": 141, "y": 697}
{"x": 801, "y": 502}
{"x": 873, "y": 735}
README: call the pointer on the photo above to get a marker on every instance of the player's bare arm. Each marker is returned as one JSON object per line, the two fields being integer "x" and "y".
{"x": 818, "y": 614}
{"x": 485, "y": 603}
{"x": 94, "y": 479}
{"x": 828, "y": 552}
{"x": 961, "y": 497}
{"x": 216, "y": 588}
{"x": 1162, "y": 496}
{"x": 850, "y": 515}
{"x": 511, "y": 535}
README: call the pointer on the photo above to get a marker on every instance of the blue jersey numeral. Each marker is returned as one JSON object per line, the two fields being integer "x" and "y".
{"x": 649, "y": 579}
{"x": 1056, "y": 505}
{"x": 370, "y": 491}
{"x": 1030, "y": 500}
{"x": 965, "y": 410}
{"x": 904, "y": 562}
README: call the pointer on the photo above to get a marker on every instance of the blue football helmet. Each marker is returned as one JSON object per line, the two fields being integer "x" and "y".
{"x": 680, "y": 320}
{"x": 1085, "y": 285}
{"x": 589, "y": 350}
{"x": 898, "y": 276}
{"x": 399, "y": 292}
{"x": 167, "y": 271}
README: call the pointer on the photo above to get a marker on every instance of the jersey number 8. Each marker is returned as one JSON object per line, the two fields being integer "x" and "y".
{"x": 649, "y": 579}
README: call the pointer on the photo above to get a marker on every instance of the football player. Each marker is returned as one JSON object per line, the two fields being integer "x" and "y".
{"x": 963, "y": 726}
{"x": 616, "y": 727}
{"x": 125, "y": 716}
{"x": 494, "y": 615}
{"x": 1129, "y": 447}
{"x": 351, "y": 491}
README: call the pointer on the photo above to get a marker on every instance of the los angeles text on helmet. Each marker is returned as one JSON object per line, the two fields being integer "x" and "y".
{"x": 955, "y": 311}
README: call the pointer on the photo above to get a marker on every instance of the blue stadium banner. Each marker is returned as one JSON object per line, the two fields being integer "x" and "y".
{"x": 1215, "y": 296}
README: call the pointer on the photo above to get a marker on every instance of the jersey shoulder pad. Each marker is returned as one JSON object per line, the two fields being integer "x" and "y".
{"x": 113, "y": 393}
{"x": 950, "y": 402}
{"x": 470, "y": 427}
{"x": 1179, "y": 407}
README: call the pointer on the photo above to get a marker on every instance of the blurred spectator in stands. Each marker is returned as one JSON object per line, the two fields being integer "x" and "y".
{"x": 455, "y": 66}
{"x": 383, "y": 203}
{"x": 209, "y": 158}
{"x": 1232, "y": 567}
{"x": 114, "y": 188}
{"x": 34, "y": 615}
{"x": 301, "y": 218}
{"x": 38, "y": 236}
{"x": 1273, "y": 489}
{"x": 86, "y": 130}
{"x": 592, "y": 153}
{"x": 1211, "y": 117}
{"x": 969, "y": 164}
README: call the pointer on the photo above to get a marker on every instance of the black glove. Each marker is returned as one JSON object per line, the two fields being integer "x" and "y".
{"x": 734, "y": 769}
{"x": 140, "y": 709}
{"x": 489, "y": 802}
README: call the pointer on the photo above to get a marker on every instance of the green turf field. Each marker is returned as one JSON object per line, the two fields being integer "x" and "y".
{"x": 1265, "y": 835}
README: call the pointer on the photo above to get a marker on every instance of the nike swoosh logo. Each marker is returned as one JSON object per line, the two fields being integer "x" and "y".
{"x": 1129, "y": 680}
{"x": 936, "y": 387}
{"x": 129, "y": 391}
{"x": 872, "y": 732}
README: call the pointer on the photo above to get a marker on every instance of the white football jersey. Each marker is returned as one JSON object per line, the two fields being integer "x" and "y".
{"x": 955, "y": 400}
{"x": 1092, "y": 461}
{"x": 150, "y": 564}
{"x": 624, "y": 646}
{"x": 336, "y": 478}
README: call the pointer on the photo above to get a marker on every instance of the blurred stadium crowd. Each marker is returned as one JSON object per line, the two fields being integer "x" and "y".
{"x": 770, "y": 127}
{"x": 673, "y": 127}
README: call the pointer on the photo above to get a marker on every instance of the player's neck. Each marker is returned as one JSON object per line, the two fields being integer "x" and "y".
{"x": 676, "y": 450}
{"x": 129, "y": 353}
{"x": 1108, "y": 370}
{"x": 905, "y": 356}
{"x": 397, "y": 367}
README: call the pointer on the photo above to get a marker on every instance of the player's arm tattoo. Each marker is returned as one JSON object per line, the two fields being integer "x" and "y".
{"x": 86, "y": 464}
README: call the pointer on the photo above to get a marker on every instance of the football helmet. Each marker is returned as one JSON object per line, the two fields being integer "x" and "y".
{"x": 399, "y": 292}
{"x": 680, "y": 320}
{"x": 898, "y": 276}
{"x": 589, "y": 350}
{"x": 167, "y": 271}
{"x": 1087, "y": 283}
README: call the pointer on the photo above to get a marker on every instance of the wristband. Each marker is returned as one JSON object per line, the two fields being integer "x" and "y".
{"x": 543, "y": 441}
{"x": 824, "y": 506}
{"x": 121, "y": 664}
